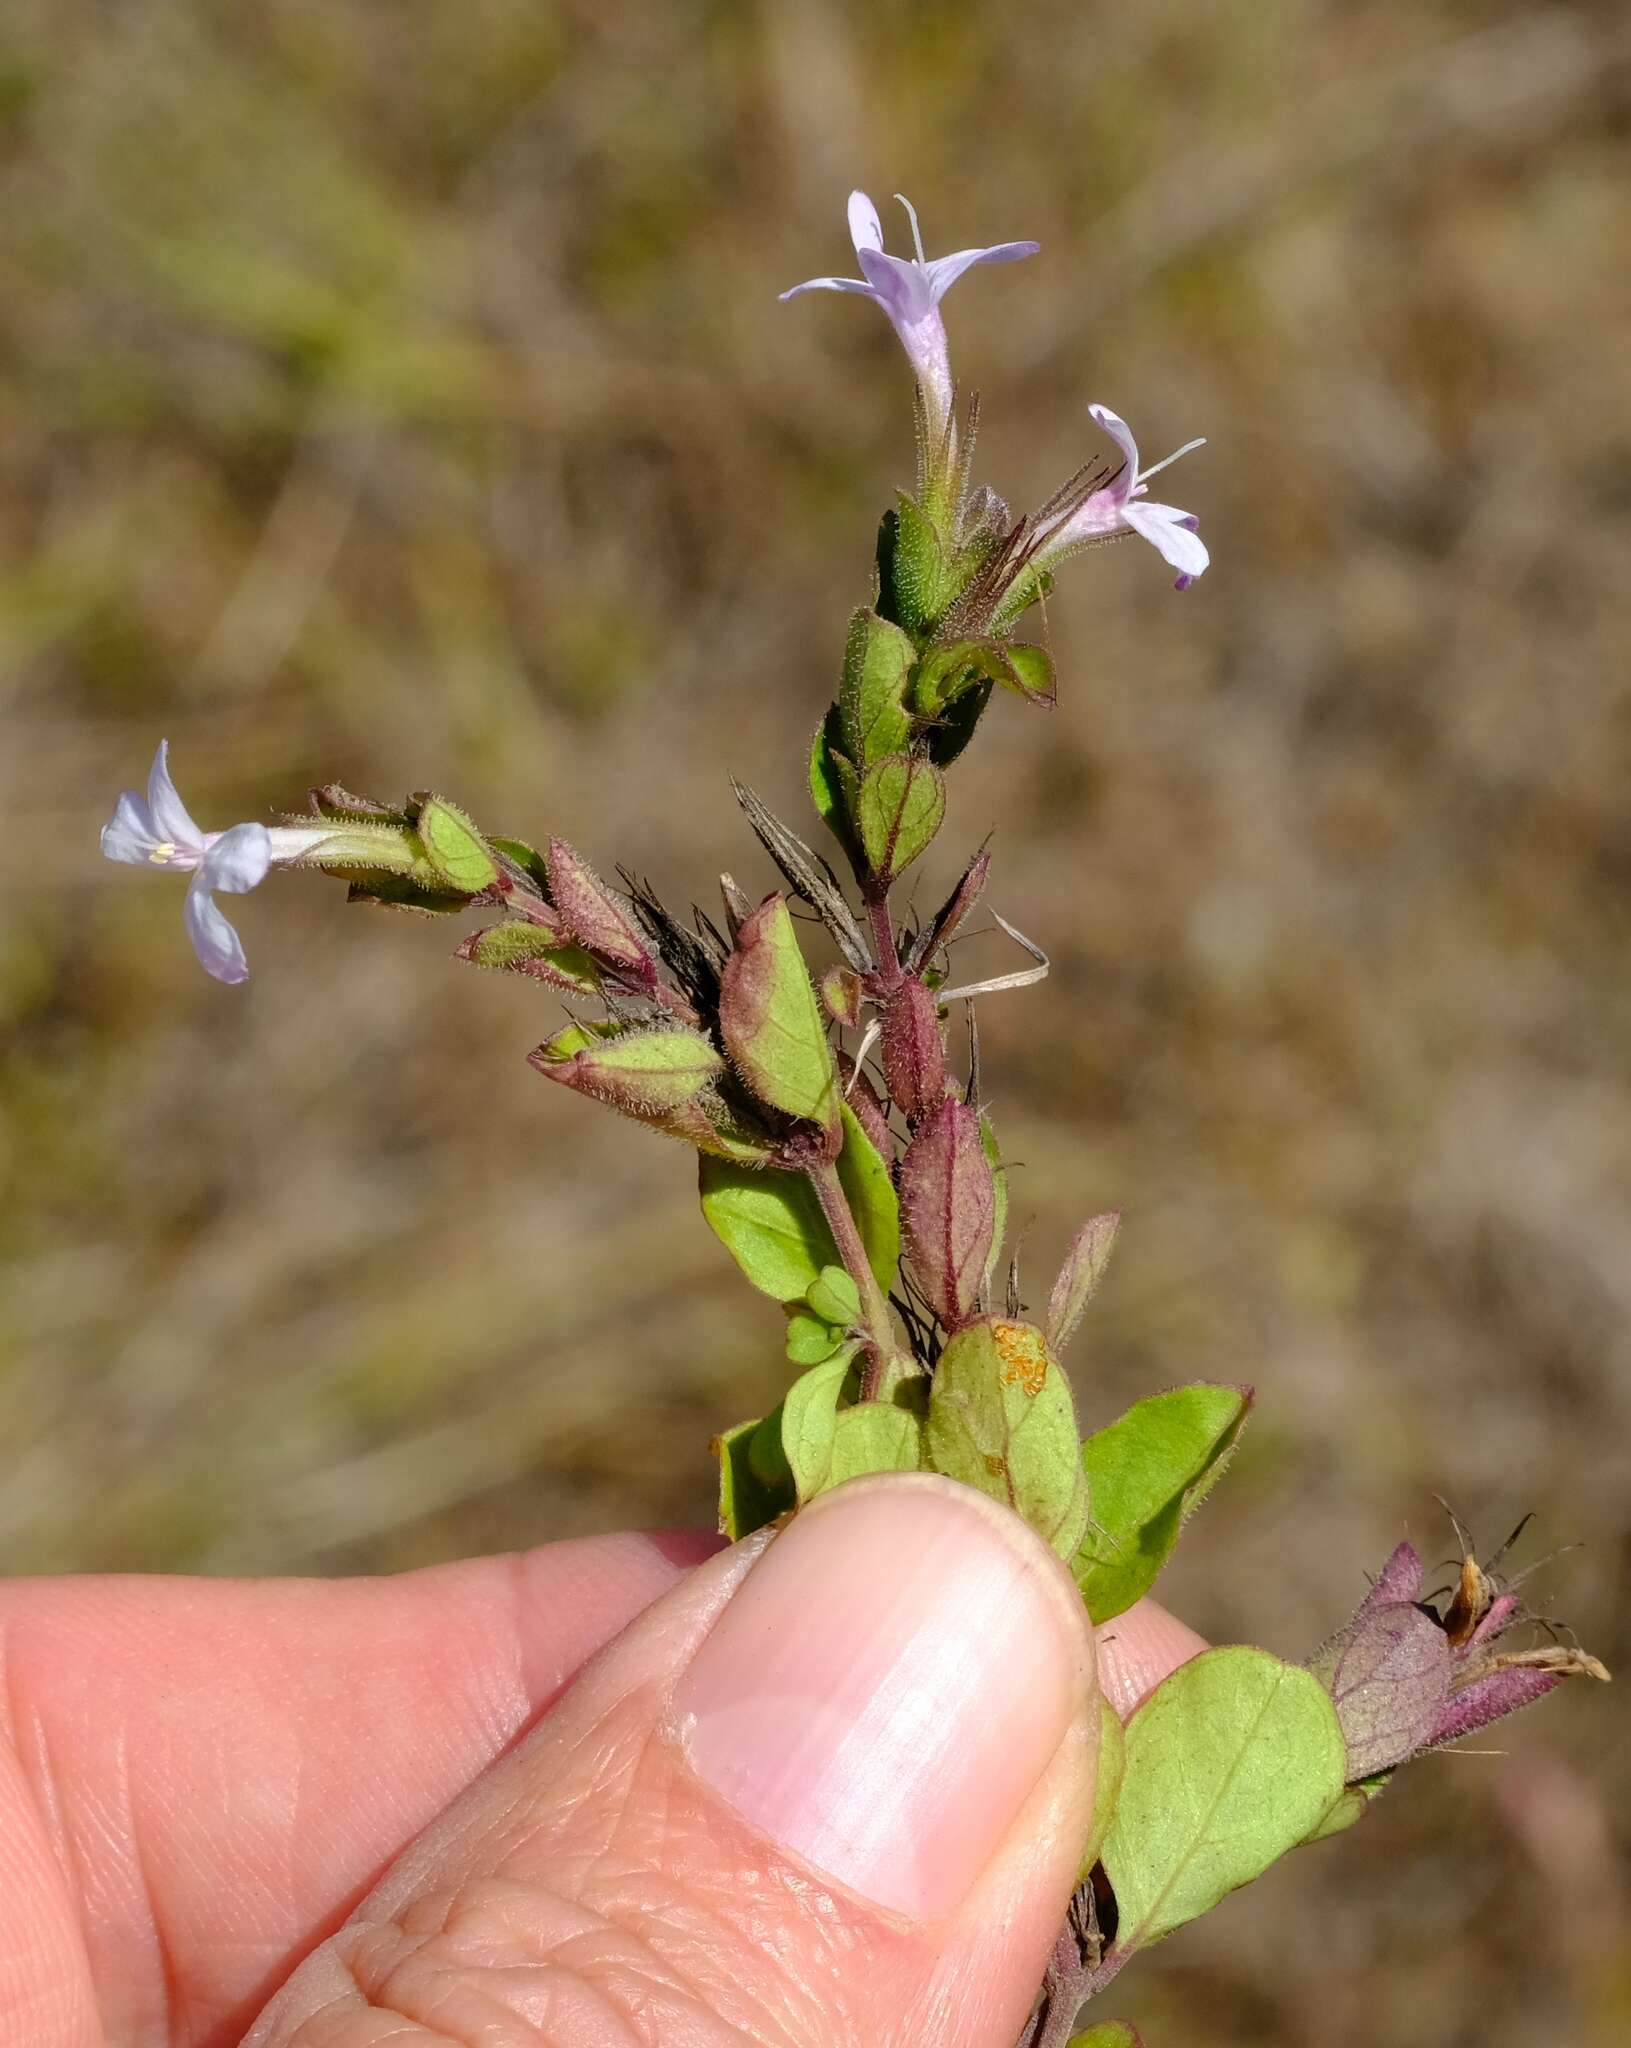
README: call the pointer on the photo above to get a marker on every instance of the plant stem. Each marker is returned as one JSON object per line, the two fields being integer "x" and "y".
{"x": 889, "y": 974}
{"x": 880, "y": 1336}
{"x": 1063, "y": 1989}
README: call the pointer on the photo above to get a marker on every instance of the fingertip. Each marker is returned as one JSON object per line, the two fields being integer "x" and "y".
{"x": 1140, "y": 1648}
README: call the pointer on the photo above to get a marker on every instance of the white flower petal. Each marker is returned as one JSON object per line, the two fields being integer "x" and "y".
{"x": 171, "y": 819}
{"x": 830, "y": 284}
{"x": 944, "y": 271}
{"x": 129, "y": 834}
{"x": 1171, "y": 534}
{"x": 238, "y": 860}
{"x": 214, "y": 941}
{"x": 865, "y": 228}
{"x": 1122, "y": 434}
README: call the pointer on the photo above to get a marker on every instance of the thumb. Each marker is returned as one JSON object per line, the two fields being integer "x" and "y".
{"x": 829, "y": 1792}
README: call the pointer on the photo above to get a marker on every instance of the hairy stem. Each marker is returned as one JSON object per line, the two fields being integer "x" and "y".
{"x": 1063, "y": 1991}
{"x": 879, "y": 1332}
{"x": 889, "y": 976}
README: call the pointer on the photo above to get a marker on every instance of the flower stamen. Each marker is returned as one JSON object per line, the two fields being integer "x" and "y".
{"x": 917, "y": 235}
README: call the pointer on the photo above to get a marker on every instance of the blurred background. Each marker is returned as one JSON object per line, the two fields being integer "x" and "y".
{"x": 400, "y": 395}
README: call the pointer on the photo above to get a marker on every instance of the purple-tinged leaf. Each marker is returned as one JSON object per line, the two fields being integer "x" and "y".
{"x": 1490, "y": 1698}
{"x": 951, "y": 915}
{"x": 594, "y": 917}
{"x": 913, "y": 1051}
{"x": 772, "y": 1025}
{"x": 1388, "y": 1673}
{"x": 1489, "y": 1685}
{"x": 1079, "y": 1276}
{"x": 948, "y": 1206}
{"x": 1399, "y": 1579}
{"x": 1404, "y": 1680}
{"x": 643, "y": 1073}
{"x": 841, "y": 992}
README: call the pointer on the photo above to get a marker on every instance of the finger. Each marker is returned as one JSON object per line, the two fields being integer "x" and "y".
{"x": 45, "y": 1985}
{"x": 831, "y": 1791}
{"x": 1140, "y": 1648}
{"x": 221, "y": 1769}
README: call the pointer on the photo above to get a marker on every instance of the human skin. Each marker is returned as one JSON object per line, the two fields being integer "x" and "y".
{"x": 202, "y": 1782}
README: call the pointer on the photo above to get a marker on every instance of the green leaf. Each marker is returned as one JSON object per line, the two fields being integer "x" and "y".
{"x": 454, "y": 848}
{"x": 1231, "y": 1761}
{"x": 771, "y": 1224}
{"x": 1351, "y": 1804}
{"x": 1001, "y": 1420}
{"x": 1029, "y": 670}
{"x": 946, "y": 674}
{"x": 771, "y": 1021}
{"x": 527, "y": 858}
{"x": 878, "y": 657}
{"x": 874, "y": 1437}
{"x": 1085, "y": 1261}
{"x": 810, "y": 1339}
{"x": 810, "y": 1420}
{"x": 524, "y": 949}
{"x": 912, "y": 569}
{"x": 379, "y": 847}
{"x": 834, "y": 784}
{"x": 643, "y": 1073}
{"x": 1107, "y": 1786}
{"x": 399, "y": 892}
{"x": 900, "y": 808}
{"x": 1147, "y": 1473}
{"x": 835, "y": 1297}
{"x": 870, "y": 1192}
{"x": 572, "y": 1038}
{"x": 746, "y": 1502}
{"x": 1108, "y": 2034}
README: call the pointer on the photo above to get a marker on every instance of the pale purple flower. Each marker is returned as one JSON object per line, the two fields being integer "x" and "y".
{"x": 909, "y": 289}
{"x": 1121, "y": 507}
{"x": 1403, "y": 1684}
{"x": 158, "y": 831}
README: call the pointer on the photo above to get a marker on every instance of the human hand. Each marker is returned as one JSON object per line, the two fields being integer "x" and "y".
{"x": 832, "y": 1798}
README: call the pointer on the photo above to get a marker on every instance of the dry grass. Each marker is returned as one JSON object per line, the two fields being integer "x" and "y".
{"x": 400, "y": 393}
